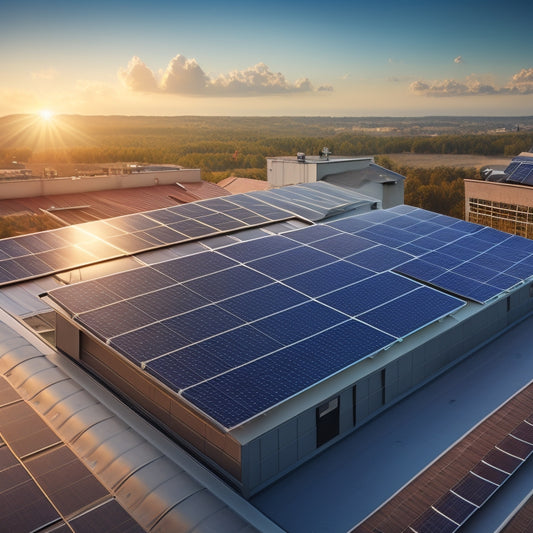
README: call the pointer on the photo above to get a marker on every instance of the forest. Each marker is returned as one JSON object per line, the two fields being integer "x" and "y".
{"x": 239, "y": 146}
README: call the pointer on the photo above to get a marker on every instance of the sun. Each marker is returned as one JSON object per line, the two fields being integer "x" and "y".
{"x": 46, "y": 114}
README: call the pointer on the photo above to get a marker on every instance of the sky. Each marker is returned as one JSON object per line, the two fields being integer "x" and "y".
{"x": 270, "y": 58}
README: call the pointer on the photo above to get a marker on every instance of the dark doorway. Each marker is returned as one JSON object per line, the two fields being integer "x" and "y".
{"x": 327, "y": 421}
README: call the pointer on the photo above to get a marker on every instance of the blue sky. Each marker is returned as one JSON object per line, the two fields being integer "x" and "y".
{"x": 272, "y": 58}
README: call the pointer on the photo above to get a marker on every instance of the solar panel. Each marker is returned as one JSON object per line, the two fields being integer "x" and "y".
{"x": 299, "y": 322}
{"x": 327, "y": 278}
{"x": 248, "y": 390}
{"x": 248, "y": 251}
{"x": 194, "y": 266}
{"x": 474, "y": 489}
{"x": 369, "y": 293}
{"x": 379, "y": 258}
{"x": 262, "y": 302}
{"x": 410, "y": 312}
{"x": 343, "y": 245}
{"x": 291, "y": 262}
{"x": 227, "y": 283}
{"x": 455, "y": 508}
{"x": 431, "y": 521}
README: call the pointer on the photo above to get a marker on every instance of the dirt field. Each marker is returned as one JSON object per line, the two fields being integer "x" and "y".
{"x": 449, "y": 160}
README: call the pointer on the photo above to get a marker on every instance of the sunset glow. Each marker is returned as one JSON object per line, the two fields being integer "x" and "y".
{"x": 358, "y": 59}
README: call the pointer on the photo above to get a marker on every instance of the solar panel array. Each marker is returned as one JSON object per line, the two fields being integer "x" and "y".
{"x": 520, "y": 171}
{"x": 45, "y": 253}
{"x": 453, "y": 509}
{"x": 240, "y": 329}
{"x": 465, "y": 259}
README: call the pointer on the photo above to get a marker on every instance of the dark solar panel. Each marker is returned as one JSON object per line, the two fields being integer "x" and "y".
{"x": 262, "y": 302}
{"x": 248, "y": 390}
{"x": 408, "y": 313}
{"x": 343, "y": 245}
{"x": 369, "y": 293}
{"x": 524, "y": 431}
{"x": 379, "y": 258}
{"x": 328, "y": 278}
{"x": 490, "y": 473}
{"x": 300, "y": 322}
{"x": 455, "y": 508}
{"x": 291, "y": 262}
{"x": 433, "y": 522}
{"x": 474, "y": 489}
{"x": 263, "y": 247}
{"x": 516, "y": 447}
{"x": 193, "y": 266}
{"x": 227, "y": 283}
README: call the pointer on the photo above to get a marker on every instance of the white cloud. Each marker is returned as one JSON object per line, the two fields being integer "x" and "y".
{"x": 458, "y": 59}
{"x": 185, "y": 76}
{"x": 138, "y": 77}
{"x": 521, "y": 83}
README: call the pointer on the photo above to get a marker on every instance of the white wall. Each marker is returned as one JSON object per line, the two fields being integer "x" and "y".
{"x": 45, "y": 187}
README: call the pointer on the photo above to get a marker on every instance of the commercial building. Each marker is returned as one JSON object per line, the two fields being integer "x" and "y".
{"x": 503, "y": 199}
{"x": 257, "y": 331}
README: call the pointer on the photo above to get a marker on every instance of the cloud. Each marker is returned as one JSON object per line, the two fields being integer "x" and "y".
{"x": 185, "y": 76}
{"x": 325, "y": 88}
{"x": 458, "y": 59}
{"x": 520, "y": 84}
{"x": 138, "y": 77}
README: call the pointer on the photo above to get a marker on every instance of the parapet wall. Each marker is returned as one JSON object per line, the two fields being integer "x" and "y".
{"x": 74, "y": 185}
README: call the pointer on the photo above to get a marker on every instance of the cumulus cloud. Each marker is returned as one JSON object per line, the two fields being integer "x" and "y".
{"x": 521, "y": 83}
{"x": 458, "y": 59}
{"x": 185, "y": 76}
{"x": 138, "y": 77}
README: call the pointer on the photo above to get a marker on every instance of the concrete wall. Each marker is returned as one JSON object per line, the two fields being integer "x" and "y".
{"x": 46, "y": 187}
{"x": 283, "y": 448}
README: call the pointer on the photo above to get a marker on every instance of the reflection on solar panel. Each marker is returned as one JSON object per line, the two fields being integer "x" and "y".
{"x": 52, "y": 251}
{"x": 520, "y": 171}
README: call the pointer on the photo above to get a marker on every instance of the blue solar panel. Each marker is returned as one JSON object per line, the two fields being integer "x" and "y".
{"x": 447, "y": 235}
{"x": 202, "y": 323}
{"x": 249, "y": 390}
{"x": 221, "y": 222}
{"x": 351, "y": 224}
{"x": 165, "y": 216}
{"x": 441, "y": 259}
{"x": 343, "y": 245}
{"x": 192, "y": 228}
{"x": 311, "y": 234}
{"x": 384, "y": 233}
{"x": 379, "y": 258}
{"x": 135, "y": 282}
{"x": 83, "y": 297}
{"x": 194, "y": 266}
{"x": 113, "y": 319}
{"x": 168, "y": 302}
{"x": 408, "y": 313}
{"x": 291, "y": 262}
{"x": 262, "y": 302}
{"x": 458, "y": 251}
{"x": 227, "y": 283}
{"x": 420, "y": 269}
{"x": 128, "y": 244}
{"x": 328, "y": 278}
{"x": 299, "y": 322}
{"x": 369, "y": 293}
{"x": 250, "y": 250}
{"x": 475, "y": 271}
{"x": 165, "y": 235}
{"x": 469, "y": 288}
{"x": 151, "y": 341}
{"x": 492, "y": 236}
{"x": 424, "y": 228}
{"x": 192, "y": 210}
{"x": 454, "y": 507}
{"x": 11, "y": 248}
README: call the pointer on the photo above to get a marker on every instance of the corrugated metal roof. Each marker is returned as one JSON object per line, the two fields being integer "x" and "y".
{"x": 84, "y": 207}
{"x": 242, "y": 185}
{"x": 158, "y": 484}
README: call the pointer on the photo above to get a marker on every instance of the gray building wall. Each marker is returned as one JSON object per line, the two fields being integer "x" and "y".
{"x": 283, "y": 448}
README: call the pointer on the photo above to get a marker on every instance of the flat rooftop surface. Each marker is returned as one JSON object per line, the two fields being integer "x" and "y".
{"x": 347, "y": 482}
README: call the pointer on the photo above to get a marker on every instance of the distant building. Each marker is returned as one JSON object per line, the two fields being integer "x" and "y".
{"x": 504, "y": 199}
{"x": 358, "y": 173}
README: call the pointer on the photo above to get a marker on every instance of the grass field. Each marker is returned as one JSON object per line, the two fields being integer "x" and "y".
{"x": 449, "y": 160}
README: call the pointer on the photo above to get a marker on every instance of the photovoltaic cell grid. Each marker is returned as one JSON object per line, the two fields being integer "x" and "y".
{"x": 453, "y": 509}
{"x": 465, "y": 259}
{"x": 44, "y": 253}
{"x": 238, "y": 330}
{"x": 520, "y": 171}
